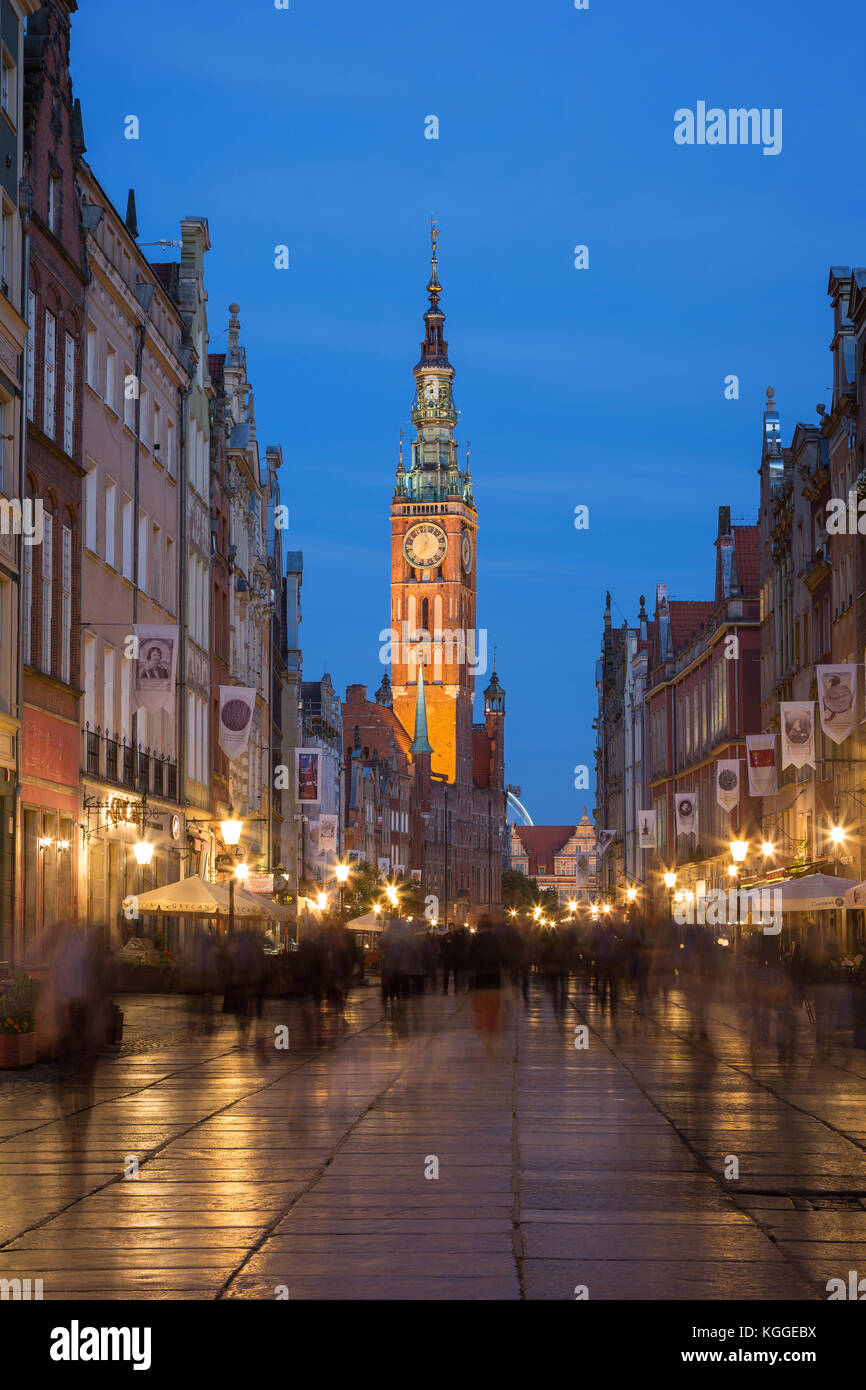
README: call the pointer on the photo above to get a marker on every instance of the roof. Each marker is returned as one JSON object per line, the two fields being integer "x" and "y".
{"x": 687, "y": 616}
{"x": 746, "y": 544}
{"x": 215, "y": 364}
{"x": 166, "y": 273}
{"x": 542, "y": 842}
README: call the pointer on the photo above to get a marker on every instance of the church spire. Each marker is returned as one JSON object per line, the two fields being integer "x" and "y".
{"x": 420, "y": 743}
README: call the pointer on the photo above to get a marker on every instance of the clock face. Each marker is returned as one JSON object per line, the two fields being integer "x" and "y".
{"x": 466, "y": 552}
{"x": 425, "y": 545}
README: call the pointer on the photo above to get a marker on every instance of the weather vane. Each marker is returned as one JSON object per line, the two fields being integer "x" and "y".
{"x": 434, "y": 232}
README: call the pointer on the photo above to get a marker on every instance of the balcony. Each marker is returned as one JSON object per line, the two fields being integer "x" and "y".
{"x": 111, "y": 759}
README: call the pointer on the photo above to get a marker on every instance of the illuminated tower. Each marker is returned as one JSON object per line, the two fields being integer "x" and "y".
{"x": 433, "y": 526}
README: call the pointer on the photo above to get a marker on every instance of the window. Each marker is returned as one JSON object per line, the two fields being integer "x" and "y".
{"x": 108, "y": 714}
{"x": 92, "y": 356}
{"x": 47, "y": 522}
{"x": 155, "y": 566}
{"x": 69, "y": 395}
{"x": 142, "y": 551}
{"x": 54, "y": 203}
{"x": 5, "y": 234}
{"x": 127, "y": 538}
{"x": 110, "y": 376}
{"x": 110, "y": 521}
{"x": 26, "y": 641}
{"x": 169, "y": 592}
{"x": 50, "y": 373}
{"x": 142, "y": 418}
{"x": 169, "y": 450}
{"x": 31, "y": 372}
{"x": 157, "y": 432}
{"x": 130, "y": 391}
{"x": 65, "y": 602}
{"x": 4, "y": 416}
{"x": 7, "y": 86}
{"x": 91, "y": 482}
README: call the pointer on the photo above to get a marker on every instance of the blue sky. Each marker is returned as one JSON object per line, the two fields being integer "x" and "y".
{"x": 602, "y": 386}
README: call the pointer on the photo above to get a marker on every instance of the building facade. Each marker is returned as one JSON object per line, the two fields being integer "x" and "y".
{"x": 561, "y": 858}
{"x": 19, "y": 527}
{"x": 135, "y": 379}
{"x": 49, "y": 651}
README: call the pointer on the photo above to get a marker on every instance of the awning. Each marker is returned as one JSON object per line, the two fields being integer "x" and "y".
{"x": 814, "y": 892}
{"x": 856, "y": 896}
{"x": 193, "y": 897}
{"x": 371, "y": 921}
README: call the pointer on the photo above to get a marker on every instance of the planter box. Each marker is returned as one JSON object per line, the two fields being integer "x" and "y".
{"x": 17, "y": 1050}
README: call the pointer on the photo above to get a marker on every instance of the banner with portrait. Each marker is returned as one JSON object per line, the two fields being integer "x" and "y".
{"x": 798, "y": 733}
{"x": 837, "y": 700}
{"x": 603, "y": 840}
{"x": 155, "y": 665}
{"x": 308, "y": 773}
{"x": 327, "y": 834}
{"x": 686, "y": 810}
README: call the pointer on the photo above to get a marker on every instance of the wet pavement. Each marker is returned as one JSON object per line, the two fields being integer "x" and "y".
{"x": 447, "y": 1148}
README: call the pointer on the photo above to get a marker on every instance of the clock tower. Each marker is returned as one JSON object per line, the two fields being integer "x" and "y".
{"x": 433, "y": 528}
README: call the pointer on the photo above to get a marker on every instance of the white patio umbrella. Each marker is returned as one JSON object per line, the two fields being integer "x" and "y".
{"x": 187, "y": 897}
{"x": 814, "y": 892}
{"x": 371, "y": 921}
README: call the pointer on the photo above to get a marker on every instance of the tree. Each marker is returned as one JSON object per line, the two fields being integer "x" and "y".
{"x": 522, "y": 892}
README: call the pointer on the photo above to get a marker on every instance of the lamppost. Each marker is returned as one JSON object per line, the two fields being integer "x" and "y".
{"x": 631, "y": 898}
{"x": 232, "y": 829}
{"x": 342, "y": 874}
{"x": 670, "y": 883}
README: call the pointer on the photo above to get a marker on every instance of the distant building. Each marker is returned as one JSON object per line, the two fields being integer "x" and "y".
{"x": 561, "y": 858}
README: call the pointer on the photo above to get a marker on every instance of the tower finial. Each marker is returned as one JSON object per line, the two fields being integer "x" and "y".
{"x": 421, "y": 742}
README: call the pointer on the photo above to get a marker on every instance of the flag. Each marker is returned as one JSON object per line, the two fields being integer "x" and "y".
{"x": 307, "y": 773}
{"x": 686, "y": 813}
{"x": 646, "y": 821}
{"x": 327, "y": 834}
{"x": 837, "y": 700}
{"x": 236, "y": 717}
{"x": 728, "y": 782}
{"x": 154, "y": 666}
{"x": 798, "y": 733}
{"x": 761, "y": 760}
{"x": 603, "y": 841}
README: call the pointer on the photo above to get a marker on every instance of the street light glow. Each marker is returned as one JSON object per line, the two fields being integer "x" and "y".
{"x": 232, "y": 830}
{"x": 837, "y": 834}
{"x": 341, "y": 872}
{"x": 739, "y": 850}
{"x": 768, "y": 848}
{"x": 143, "y": 852}
{"x": 670, "y": 880}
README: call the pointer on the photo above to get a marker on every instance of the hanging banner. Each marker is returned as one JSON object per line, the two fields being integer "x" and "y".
{"x": 837, "y": 700}
{"x": 236, "y": 716}
{"x": 686, "y": 813}
{"x": 581, "y": 870}
{"x": 761, "y": 762}
{"x": 798, "y": 733}
{"x": 603, "y": 840}
{"x": 327, "y": 834}
{"x": 307, "y": 775}
{"x": 384, "y": 866}
{"x": 728, "y": 783}
{"x": 154, "y": 667}
{"x": 646, "y": 833}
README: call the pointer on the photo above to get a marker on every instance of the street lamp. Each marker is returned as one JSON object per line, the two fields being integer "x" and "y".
{"x": 321, "y": 901}
{"x": 670, "y": 883}
{"x": 232, "y": 830}
{"x": 739, "y": 850}
{"x": 342, "y": 873}
{"x": 143, "y": 852}
{"x": 768, "y": 848}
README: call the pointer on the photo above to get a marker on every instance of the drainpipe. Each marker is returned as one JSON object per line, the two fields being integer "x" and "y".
{"x": 144, "y": 294}
{"x": 26, "y": 205}
{"x": 181, "y": 603}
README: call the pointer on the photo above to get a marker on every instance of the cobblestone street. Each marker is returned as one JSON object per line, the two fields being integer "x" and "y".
{"x": 557, "y": 1167}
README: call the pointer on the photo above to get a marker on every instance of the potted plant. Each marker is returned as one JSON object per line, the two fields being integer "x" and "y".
{"x": 18, "y": 1022}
